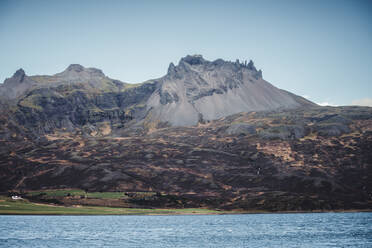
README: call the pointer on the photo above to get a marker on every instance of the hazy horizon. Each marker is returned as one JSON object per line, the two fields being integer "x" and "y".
{"x": 321, "y": 49}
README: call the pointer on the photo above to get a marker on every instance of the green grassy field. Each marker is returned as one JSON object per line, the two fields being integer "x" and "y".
{"x": 79, "y": 192}
{"x": 60, "y": 192}
{"x": 9, "y": 206}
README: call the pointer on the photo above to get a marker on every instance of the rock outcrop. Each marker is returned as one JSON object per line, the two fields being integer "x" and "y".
{"x": 16, "y": 86}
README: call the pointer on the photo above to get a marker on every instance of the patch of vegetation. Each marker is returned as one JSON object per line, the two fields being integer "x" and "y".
{"x": 43, "y": 79}
{"x": 106, "y": 195}
{"x": 57, "y": 193}
{"x": 9, "y": 206}
{"x": 29, "y": 102}
{"x": 79, "y": 192}
{"x": 128, "y": 86}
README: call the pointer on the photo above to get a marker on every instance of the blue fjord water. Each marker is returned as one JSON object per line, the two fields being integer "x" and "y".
{"x": 250, "y": 230}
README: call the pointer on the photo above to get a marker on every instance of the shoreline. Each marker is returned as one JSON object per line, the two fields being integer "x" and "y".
{"x": 9, "y": 206}
{"x": 184, "y": 214}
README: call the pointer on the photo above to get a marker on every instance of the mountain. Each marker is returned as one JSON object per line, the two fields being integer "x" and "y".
{"x": 207, "y": 134}
{"x": 77, "y": 98}
{"x": 196, "y": 90}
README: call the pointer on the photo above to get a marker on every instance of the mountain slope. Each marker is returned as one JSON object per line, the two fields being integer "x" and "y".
{"x": 315, "y": 159}
{"x": 76, "y": 99}
{"x": 207, "y": 134}
{"x": 197, "y": 89}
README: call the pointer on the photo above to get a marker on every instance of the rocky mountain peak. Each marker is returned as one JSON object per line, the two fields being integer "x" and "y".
{"x": 193, "y": 59}
{"x": 75, "y": 67}
{"x": 197, "y": 87}
{"x": 199, "y": 63}
{"x": 171, "y": 68}
{"x": 192, "y": 64}
{"x": 17, "y": 85}
{"x": 251, "y": 66}
{"x": 19, "y": 75}
{"x": 79, "y": 71}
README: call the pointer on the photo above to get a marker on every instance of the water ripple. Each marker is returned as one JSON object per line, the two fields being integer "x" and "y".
{"x": 252, "y": 230}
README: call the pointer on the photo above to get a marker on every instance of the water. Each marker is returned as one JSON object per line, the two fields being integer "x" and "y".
{"x": 251, "y": 230}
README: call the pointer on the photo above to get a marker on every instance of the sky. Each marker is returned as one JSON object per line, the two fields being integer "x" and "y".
{"x": 320, "y": 49}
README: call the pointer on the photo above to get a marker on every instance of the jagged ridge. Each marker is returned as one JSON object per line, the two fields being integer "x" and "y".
{"x": 196, "y": 90}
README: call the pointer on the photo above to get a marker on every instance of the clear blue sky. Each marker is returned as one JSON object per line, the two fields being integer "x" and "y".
{"x": 320, "y": 49}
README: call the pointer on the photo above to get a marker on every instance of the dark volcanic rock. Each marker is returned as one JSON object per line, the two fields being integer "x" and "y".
{"x": 333, "y": 129}
{"x": 241, "y": 128}
{"x": 284, "y": 132}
